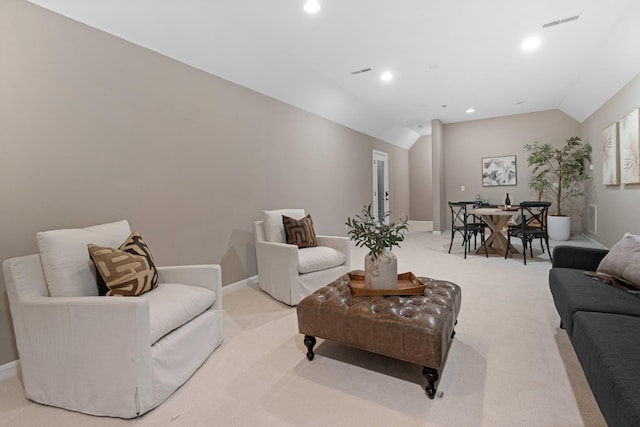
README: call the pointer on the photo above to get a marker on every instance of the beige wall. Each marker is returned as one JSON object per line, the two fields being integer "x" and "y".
{"x": 94, "y": 129}
{"x": 420, "y": 180}
{"x": 617, "y": 205}
{"x": 466, "y": 143}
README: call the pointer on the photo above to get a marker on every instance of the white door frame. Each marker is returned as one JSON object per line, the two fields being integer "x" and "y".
{"x": 380, "y": 183}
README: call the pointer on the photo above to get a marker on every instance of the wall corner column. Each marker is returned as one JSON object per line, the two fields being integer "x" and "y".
{"x": 438, "y": 176}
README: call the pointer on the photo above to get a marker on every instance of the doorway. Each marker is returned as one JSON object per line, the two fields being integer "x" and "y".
{"x": 380, "y": 204}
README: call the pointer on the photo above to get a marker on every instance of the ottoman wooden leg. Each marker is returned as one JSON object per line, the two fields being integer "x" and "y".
{"x": 309, "y": 341}
{"x": 432, "y": 376}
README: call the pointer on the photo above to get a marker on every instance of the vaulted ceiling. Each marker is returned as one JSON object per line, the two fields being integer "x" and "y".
{"x": 446, "y": 56}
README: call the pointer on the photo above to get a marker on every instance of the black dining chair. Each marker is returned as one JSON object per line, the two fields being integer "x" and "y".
{"x": 468, "y": 225}
{"x": 531, "y": 225}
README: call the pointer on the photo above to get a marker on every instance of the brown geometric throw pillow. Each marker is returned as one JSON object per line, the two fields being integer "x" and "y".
{"x": 299, "y": 232}
{"x": 136, "y": 246}
{"x": 127, "y": 271}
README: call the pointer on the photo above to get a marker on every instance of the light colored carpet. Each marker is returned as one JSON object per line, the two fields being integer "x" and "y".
{"x": 509, "y": 364}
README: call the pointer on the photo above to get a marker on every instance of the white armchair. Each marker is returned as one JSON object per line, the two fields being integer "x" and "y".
{"x": 288, "y": 273}
{"x": 112, "y": 356}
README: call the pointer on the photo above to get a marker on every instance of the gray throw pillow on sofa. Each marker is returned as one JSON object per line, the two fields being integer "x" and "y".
{"x": 622, "y": 263}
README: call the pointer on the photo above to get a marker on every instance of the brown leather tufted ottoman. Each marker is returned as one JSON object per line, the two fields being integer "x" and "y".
{"x": 417, "y": 329}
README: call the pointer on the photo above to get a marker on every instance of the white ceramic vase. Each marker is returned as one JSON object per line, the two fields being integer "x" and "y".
{"x": 381, "y": 273}
{"x": 559, "y": 227}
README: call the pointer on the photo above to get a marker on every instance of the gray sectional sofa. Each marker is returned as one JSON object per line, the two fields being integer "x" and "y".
{"x": 603, "y": 323}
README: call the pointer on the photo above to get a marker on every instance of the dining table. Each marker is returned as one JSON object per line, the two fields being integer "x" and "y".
{"x": 497, "y": 220}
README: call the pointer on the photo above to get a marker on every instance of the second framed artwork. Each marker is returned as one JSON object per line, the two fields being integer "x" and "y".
{"x": 499, "y": 171}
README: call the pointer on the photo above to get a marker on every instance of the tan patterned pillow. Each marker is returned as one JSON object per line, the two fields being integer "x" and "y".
{"x": 299, "y": 232}
{"x": 126, "y": 271}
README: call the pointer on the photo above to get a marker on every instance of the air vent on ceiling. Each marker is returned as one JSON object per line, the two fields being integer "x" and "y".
{"x": 364, "y": 70}
{"x": 562, "y": 21}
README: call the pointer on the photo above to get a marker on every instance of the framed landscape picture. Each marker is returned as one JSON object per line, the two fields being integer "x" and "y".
{"x": 498, "y": 171}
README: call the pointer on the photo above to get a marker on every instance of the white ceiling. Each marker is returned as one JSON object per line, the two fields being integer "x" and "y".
{"x": 459, "y": 53}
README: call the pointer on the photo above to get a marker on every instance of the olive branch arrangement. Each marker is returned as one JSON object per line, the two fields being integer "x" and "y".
{"x": 375, "y": 233}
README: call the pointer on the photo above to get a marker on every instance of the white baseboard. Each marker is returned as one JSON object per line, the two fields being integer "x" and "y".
{"x": 253, "y": 280}
{"x": 420, "y": 226}
{"x": 436, "y": 232}
{"x": 595, "y": 242}
{"x": 9, "y": 370}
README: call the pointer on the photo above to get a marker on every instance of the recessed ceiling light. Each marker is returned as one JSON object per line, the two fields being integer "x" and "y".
{"x": 312, "y": 6}
{"x": 470, "y": 110}
{"x": 386, "y": 76}
{"x": 531, "y": 43}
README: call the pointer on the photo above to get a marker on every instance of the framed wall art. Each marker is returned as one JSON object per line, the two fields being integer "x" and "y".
{"x": 610, "y": 149}
{"x": 498, "y": 171}
{"x": 630, "y": 148}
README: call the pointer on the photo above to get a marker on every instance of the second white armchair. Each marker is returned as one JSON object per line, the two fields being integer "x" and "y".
{"x": 289, "y": 273}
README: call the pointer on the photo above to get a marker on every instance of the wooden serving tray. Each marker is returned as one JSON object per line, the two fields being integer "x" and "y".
{"x": 408, "y": 284}
{"x": 511, "y": 208}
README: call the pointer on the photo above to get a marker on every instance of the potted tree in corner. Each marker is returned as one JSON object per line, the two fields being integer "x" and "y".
{"x": 560, "y": 172}
{"x": 380, "y": 264}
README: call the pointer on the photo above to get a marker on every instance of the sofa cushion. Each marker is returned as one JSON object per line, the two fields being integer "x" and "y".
{"x": 622, "y": 264}
{"x": 609, "y": 352}
{"x": 573, "y": 291}
{"x": 319, "y": 258}
{"x": 273, "y": 227}
{"x": 299, "y": 232}
{"x": 126, "y": 271}
{"x": 171, "y": 305}
{"x": 65, "y": 261}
